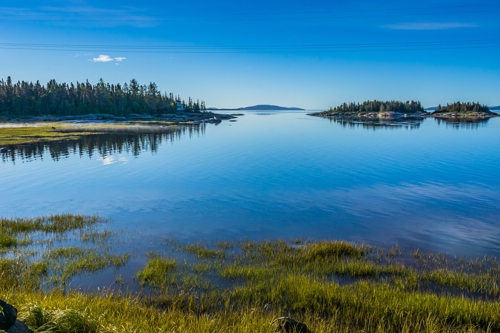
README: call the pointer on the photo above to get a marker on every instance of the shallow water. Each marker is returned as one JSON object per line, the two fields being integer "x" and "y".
{"x": 430, "y": 185}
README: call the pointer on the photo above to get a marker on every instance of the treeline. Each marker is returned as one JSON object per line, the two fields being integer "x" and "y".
{"x": 462, "y": 107}
{"x": 379, "y": 106}
{"x": 62, "y": 99}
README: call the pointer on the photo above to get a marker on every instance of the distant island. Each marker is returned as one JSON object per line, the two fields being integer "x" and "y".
{"x": 375, "y": 110}
{"x": 461, "y": 110}
{"x": 491, "y": 108}
{"x": 260, "y": 107}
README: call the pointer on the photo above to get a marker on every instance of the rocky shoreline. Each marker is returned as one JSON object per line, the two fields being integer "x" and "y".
{"x": 184, "y": 118}
{"x": 387, "y": 115}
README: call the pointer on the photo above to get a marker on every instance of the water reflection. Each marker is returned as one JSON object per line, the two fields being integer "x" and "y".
{"x": 463, "y": 123}
{"x": 132, "y": 141}
{"x": 377, "y": 124}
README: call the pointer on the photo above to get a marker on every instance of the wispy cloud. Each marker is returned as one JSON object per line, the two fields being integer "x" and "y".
{"x": 107, "y": 58}
{"x": 77, "y": 15}
{"x": 428, "y": 26}
{"x": 125, "y": 16}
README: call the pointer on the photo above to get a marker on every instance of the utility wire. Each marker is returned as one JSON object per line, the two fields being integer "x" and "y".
{"x": 326, "y": 48}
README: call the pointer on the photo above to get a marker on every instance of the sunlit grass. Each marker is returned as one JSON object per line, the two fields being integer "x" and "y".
{"x": 32, "y": 134}
{"x": 332, "y": 286}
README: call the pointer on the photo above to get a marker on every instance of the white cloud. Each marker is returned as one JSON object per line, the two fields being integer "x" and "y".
{"x": 428, "y": 26}
{"x": 107, "y": 58}
{"x": 102, "y": 58}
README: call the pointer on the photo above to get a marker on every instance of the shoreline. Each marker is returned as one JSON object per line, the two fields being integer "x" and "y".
{"x": 184, "y": 118}
{"x": 401, "y": 116}
{"x": 16, "y": 131}
{"x": 331, "y": 285}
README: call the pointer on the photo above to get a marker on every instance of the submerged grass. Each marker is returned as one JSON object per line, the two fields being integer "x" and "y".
{"x": 332, "y": 286}
{"x": 25, "y": 267}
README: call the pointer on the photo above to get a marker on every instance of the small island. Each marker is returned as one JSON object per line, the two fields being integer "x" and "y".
{"x": 375, "y": 110}
{"x": 464, "y": 111}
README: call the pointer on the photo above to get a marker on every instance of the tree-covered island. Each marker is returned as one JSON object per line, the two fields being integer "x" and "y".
{"x": 459, "y": 110}
{"x": 375, "y": 110}
{"x": 63, "y": 101}
{"x": 98, "y": 108}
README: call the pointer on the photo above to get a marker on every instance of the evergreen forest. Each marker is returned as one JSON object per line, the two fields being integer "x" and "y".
{"x": 24, "y": 99}
{"x": 462, "y": 107}
{"x": 379, "y": 106}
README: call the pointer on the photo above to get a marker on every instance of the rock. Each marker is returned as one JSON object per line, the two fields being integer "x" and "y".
{"x": 8, "y": 315}
{"x": 19, "y": 327}
{"x": 289, "y": 325}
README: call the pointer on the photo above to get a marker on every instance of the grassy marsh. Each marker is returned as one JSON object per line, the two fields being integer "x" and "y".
{"x": 10, "y": 136}
{"x": 32, "y": 254}
{"x": 46, "y": 132}
{"x": 332, "y": 286}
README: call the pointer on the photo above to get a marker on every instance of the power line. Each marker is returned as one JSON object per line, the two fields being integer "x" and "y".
{"x": 321, "y": 48}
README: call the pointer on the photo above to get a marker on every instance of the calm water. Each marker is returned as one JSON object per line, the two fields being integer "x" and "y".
{"x": 431, "y": 185}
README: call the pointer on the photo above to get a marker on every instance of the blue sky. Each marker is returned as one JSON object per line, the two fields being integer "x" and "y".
{"x": 313, "y": 54}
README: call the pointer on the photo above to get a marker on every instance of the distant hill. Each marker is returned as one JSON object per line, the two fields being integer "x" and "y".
{"x": 260, "y": 107}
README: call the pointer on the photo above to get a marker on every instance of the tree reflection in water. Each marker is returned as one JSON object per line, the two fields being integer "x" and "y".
{"x": 376, "y": 124}
{"x": 132, "y": 141}
{"x": 463, "y": 123}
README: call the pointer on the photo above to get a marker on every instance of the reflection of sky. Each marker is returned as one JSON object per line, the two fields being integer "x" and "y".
{"x": 287, "y": 175}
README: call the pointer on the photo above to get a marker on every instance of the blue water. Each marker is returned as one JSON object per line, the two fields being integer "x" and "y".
{"x": 430, "y": 185}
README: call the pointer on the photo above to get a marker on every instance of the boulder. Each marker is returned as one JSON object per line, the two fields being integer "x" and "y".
{"x": 8, "y": 315}
{"x": 289, "y": 325}
{"x": 19, "y": 327}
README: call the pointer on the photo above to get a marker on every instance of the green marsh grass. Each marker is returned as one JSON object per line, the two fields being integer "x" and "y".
{"x": 332, "y": 286}
{"x": 46, "y": 133}
{"x": 32, "y": 268}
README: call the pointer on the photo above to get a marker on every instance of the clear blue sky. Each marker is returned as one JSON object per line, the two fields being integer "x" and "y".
{"x": 311, "y": 54}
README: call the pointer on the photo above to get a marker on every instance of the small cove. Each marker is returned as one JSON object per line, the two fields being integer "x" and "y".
{"x": 431, "y": 185}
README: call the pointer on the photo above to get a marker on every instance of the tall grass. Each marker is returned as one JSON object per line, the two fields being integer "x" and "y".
{"x": 332, "y": 286}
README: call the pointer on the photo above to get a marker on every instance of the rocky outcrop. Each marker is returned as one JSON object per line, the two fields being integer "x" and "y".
{"x": 8, "y": 315}
{"x": 289, "y": 325}
{"x": 19, "y": 327}
{"x": 8, "y": 320}
{"x": 370, "y": 115}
